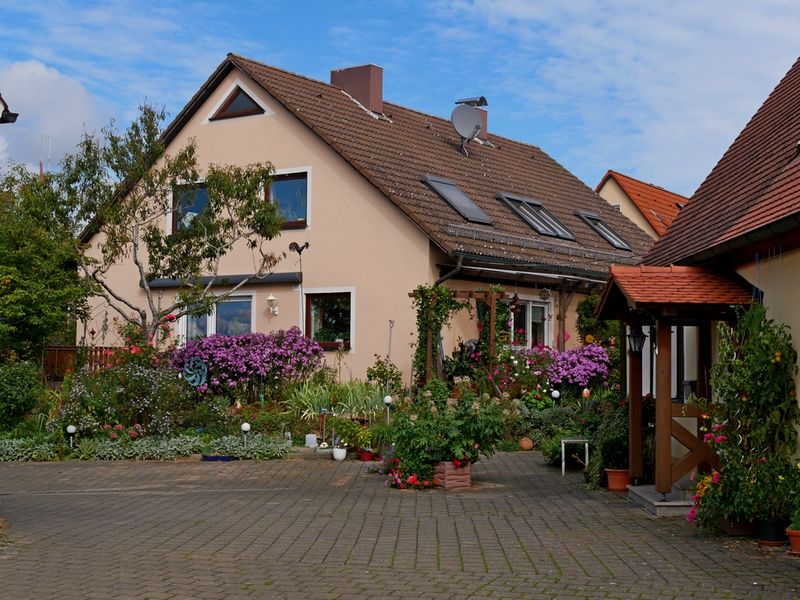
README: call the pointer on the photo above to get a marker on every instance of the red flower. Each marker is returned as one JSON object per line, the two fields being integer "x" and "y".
{"x": 412, "y": 480}
{"x": 457, "y": 463}
{"x": 169, "y": 317}
{"x": 135, "y": 349}
{"x": 113, "y": 435}
{"x": 118, "y": 427}
{"x": 106, "y": 427}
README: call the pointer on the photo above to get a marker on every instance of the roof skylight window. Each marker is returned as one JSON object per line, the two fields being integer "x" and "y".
{"x": 462, "y": 203}
{"x": 537, "y": 216}
{"x": 597, "y": 223}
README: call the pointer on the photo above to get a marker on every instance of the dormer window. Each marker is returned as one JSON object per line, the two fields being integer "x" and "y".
{"x": 457, "y": 199}
{"x": 597, "y": 223}
{"x": 537, "y": 216}
{"x": 238, "y": 104}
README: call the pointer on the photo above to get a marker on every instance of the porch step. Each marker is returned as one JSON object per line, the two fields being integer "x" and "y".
{"x": 676, "y": 504}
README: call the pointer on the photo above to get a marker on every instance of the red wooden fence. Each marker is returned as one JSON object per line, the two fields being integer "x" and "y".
{"x": 58, "y": 360}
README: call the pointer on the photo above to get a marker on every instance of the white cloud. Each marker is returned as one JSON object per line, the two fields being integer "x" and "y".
{"x": 49, "y": 104}
{"x": 658, "y": 90}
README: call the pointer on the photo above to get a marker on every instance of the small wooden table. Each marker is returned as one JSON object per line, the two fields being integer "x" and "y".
{"x": 577, "y": 440}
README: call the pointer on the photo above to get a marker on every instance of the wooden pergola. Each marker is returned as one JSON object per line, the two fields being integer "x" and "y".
{"x": 489, "y": 298}
{"x": 670, "y": 297}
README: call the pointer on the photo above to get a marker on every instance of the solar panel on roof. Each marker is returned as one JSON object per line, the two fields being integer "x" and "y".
{"x": 462, "y": 203}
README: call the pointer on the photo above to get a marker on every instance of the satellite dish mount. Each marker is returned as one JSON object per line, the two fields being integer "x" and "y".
{"x": 467, "y": 121}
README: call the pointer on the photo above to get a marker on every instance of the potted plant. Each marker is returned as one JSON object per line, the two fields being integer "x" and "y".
{"x": 793, "y": 531}
{"x": 614, "y": 452}
{"x": 345, "y": 434}
{"x": 363, "y": 441}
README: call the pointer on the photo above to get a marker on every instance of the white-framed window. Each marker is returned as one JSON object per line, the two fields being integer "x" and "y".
{"x": 531, "y": 323}
{"x": 290, "y": 189}
{"x": 235, "y": 315}
{"x": 330, "y": 317}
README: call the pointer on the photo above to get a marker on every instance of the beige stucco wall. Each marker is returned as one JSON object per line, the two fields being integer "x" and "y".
{"x": 612, "y": 193}
{"x": 359, "y": 241}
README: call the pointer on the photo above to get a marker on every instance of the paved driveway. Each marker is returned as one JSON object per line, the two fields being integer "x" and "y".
{"x": 318, "y": 529}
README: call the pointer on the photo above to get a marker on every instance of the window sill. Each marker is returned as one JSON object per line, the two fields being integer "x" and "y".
{"x": 294, "y": 225}
{"x": 334, "y": 346}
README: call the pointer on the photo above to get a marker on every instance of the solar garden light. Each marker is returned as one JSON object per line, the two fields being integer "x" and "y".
{"x": 245, "y": 429}
{"x": 387, "y": 400}
{"x": 71, "y": 429}
{"x": 555, "y": 394}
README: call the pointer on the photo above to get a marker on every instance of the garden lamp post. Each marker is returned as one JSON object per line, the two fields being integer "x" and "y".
{"x": 71, "y": 429}
{"x": 245, "y": 429}
{"x": 387, "y": 400}
{"x": 636, "y": 341}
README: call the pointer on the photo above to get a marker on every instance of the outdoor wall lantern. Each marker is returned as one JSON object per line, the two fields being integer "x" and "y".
{"x": 71, "y": 429}
{"x": 272, "y": 305}
{"x": 636, "y": 340}
{"x": 7, "y": 116}
{"x": 245, "y": 430}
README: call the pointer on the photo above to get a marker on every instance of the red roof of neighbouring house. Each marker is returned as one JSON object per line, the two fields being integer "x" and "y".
{"x": 645, "y": 285}
{"x": 751, "y": 196}
{"x": 657, "y": 205}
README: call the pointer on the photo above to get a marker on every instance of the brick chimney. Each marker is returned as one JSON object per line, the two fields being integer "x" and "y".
{"x": 484, "y": 133}
{"x": 364, "y": 83}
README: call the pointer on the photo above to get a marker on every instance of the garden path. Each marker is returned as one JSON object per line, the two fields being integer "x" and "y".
{"x": 317, "y": 529}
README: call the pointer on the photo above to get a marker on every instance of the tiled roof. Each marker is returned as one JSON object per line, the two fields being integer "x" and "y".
{"x": 657, "y": 205}
{"x": 646, "y": 285}
{"x": 752, "y": 191}
{"x": 395, "y": 153}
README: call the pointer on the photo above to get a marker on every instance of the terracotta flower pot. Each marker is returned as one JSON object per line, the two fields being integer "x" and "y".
{"x": 526, "y": 443}
{"x": 794, "y": 540}
{"x": 366, "y": 455}
{"x": 618, "y": 480}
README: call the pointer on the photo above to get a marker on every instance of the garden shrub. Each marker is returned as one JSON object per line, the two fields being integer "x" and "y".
{"x": 20, "y": 388}
{"x": 26, "y": 449}
{"x": 247, "y": 365}
{"x": 259, "y": 447}
{"x": 128, "y": 393}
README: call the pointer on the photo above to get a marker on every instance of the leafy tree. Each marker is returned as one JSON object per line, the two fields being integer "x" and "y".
{"x": 118, "y": 191}
{"x": 41, "y": 293}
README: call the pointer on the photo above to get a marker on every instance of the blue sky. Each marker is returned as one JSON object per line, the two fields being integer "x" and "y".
{"x": 657, "y": 90}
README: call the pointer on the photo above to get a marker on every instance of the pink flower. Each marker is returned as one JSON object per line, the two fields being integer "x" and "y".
{"x": 113, "y": 435}
{"x": 708, "y": 437}
{"x": 716, "y": 427}
{"x": 692, "y": 514}
{"x": 135, "y": 349}
{"x": 715, "y": 477}
{"x": 106, "y": 427}
{"x": 720, "y": 438}
{"x": 118, "y": 427}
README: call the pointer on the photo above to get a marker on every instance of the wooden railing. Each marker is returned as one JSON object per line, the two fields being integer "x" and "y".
{"x": 58, "y": 360}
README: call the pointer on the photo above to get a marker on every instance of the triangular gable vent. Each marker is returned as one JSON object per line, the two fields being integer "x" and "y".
{"x": 237, "y": 104}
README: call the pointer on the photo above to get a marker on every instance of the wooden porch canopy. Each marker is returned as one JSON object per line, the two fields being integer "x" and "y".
{"x": 668, "y": 296}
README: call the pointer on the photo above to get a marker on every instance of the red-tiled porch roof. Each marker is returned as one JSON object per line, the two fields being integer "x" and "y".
{"x": 644, "y": 286}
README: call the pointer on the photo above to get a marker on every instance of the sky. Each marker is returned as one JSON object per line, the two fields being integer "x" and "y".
{"x": 657, "y": 90}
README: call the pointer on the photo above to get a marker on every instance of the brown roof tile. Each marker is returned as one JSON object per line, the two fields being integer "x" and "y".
{"x": 657, "y": 205}
{"x": 755, "y": 184}
{"x": 395, "y": 154}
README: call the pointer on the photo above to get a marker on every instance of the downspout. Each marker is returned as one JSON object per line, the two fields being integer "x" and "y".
{"x": 456, "y": 270}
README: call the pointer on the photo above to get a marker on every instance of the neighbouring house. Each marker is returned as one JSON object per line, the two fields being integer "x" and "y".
{"x": 389, "y": 198}
{"x": 737, "y": 239}
{"x": 651, "y": 207}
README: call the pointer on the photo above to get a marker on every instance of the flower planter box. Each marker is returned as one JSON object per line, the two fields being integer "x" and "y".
{"x": 450, "y": 477}
{"x": 216, "y": 458}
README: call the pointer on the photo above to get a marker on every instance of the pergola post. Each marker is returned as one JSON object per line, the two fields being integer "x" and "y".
{"x": 664, "y": 406}
{"x": 635, "y": 459}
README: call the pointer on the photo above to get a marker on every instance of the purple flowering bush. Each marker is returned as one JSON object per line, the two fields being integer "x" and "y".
{"x": 583, "y": 366}
{"x": 250, "y": 362}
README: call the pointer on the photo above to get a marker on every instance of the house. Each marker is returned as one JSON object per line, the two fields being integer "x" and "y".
{"x": 651, "y": 207}
{"x": 737, "y": 239}
{"x": 387, "y": 198}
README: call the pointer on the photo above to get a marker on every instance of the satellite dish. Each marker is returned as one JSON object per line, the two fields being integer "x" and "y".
{"x": 466, "y": 121}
